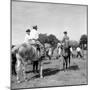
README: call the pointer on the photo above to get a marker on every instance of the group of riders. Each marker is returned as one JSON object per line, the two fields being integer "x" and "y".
{"x": 31, "y": 39}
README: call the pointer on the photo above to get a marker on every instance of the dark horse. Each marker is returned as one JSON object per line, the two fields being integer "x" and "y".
{"x": 13, "y": 62}
{"x": 66, "y": 56}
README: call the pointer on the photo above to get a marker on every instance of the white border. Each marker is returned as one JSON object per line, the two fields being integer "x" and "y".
{"x": 5, "y": 43}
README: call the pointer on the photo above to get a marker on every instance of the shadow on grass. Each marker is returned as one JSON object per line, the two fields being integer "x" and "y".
{"x": 30, "y": 71}
{"x": 53, "y": 71}
{"x": 47, "y": 72}
{"x": 74, "y": 67}
{"x": 47, "y": 62}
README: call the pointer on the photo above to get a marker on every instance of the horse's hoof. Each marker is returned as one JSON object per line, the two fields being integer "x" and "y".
{"x": 41, "y": 76}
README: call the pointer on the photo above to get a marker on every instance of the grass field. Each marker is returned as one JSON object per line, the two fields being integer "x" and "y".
{"x": 54, "y": 75}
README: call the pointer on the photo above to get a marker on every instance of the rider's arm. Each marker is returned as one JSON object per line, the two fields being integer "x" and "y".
{"x": 27, "y": 37}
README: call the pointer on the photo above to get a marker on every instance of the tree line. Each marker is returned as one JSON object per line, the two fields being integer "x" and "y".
{"x": 52, "y": 40}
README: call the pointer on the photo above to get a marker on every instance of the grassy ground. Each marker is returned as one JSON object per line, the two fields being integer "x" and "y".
{"x": 54, "y": 74}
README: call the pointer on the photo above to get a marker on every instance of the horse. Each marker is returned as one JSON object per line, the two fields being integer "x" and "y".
{"x": 25, "y": 52}
{"x": 65, "y": 52}
{"x": 13, "y": 62}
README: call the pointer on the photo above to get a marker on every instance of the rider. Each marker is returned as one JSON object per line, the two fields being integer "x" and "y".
{"x": 27, "y": 36}
{"x": 65, "y": 40}
{"x": 32, "y": 37}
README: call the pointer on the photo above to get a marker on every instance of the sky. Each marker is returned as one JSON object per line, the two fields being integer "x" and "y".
{"x": 50, "y": 18}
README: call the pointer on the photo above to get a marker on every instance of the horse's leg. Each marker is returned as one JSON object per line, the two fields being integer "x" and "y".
{"x": 49, "y": 57}
{"x": 63, "y": 63}
{"x": 24, "y": 72}
{"x": 66, "y": 62}
{"x": 18, "y": 79}
{"x": 18, "y": 67}
{"x": 81, "y": 56}
{"x": 34, "y": 66}
{"x": 41, "y": 70}
{"x": 12, "y": 69}
{"x": 69, "y": 60}
{"x": 37, "y": 66}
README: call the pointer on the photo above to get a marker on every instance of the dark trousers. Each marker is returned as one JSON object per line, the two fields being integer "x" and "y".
{"x": 79, "y": 54}
{"x": 35, "y": 66}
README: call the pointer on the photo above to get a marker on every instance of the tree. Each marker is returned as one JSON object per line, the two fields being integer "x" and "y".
{"x": 83, "y": 41}
{"x": 52, "y": 40}
{"x": 73, "y": 43}
{"x": 43, "y": 38}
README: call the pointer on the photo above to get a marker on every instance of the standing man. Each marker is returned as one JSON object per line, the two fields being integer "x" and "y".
{"x": 79, "y": 52}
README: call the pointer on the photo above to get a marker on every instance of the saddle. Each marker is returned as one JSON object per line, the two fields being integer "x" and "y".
{"x": 35, "y": 43}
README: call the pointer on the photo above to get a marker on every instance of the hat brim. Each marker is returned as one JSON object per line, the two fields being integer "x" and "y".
{"x": 65, "y": 32}
{"x": 27, "y": 30}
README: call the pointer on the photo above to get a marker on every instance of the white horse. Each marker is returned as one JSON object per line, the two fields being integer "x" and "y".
{"x": 25, "y": 52}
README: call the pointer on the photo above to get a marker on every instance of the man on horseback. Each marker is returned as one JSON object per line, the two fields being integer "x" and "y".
{"x": 32, "y": 39}
{"x": 27, "y": 36}
{"x": 66, "y": 49}
{"x": 65, "y": 41}
{"x": 65, "y": 38}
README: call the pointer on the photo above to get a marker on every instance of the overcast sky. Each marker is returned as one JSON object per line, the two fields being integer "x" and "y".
{"x": 50, "y": 18}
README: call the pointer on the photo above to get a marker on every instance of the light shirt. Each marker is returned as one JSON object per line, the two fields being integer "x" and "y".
{"x": 65, "y": 39}
{"x": 78, "y": 49}
{"x": 34, "y": 34}
{"x": 71, "y": 49}
{"x": 27, "y": 38}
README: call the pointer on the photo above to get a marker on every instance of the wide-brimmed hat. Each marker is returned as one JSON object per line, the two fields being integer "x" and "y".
{"x": 28, "y": 30}
{"x": 65, "y": 32}
{"x": 35, "y": 27}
